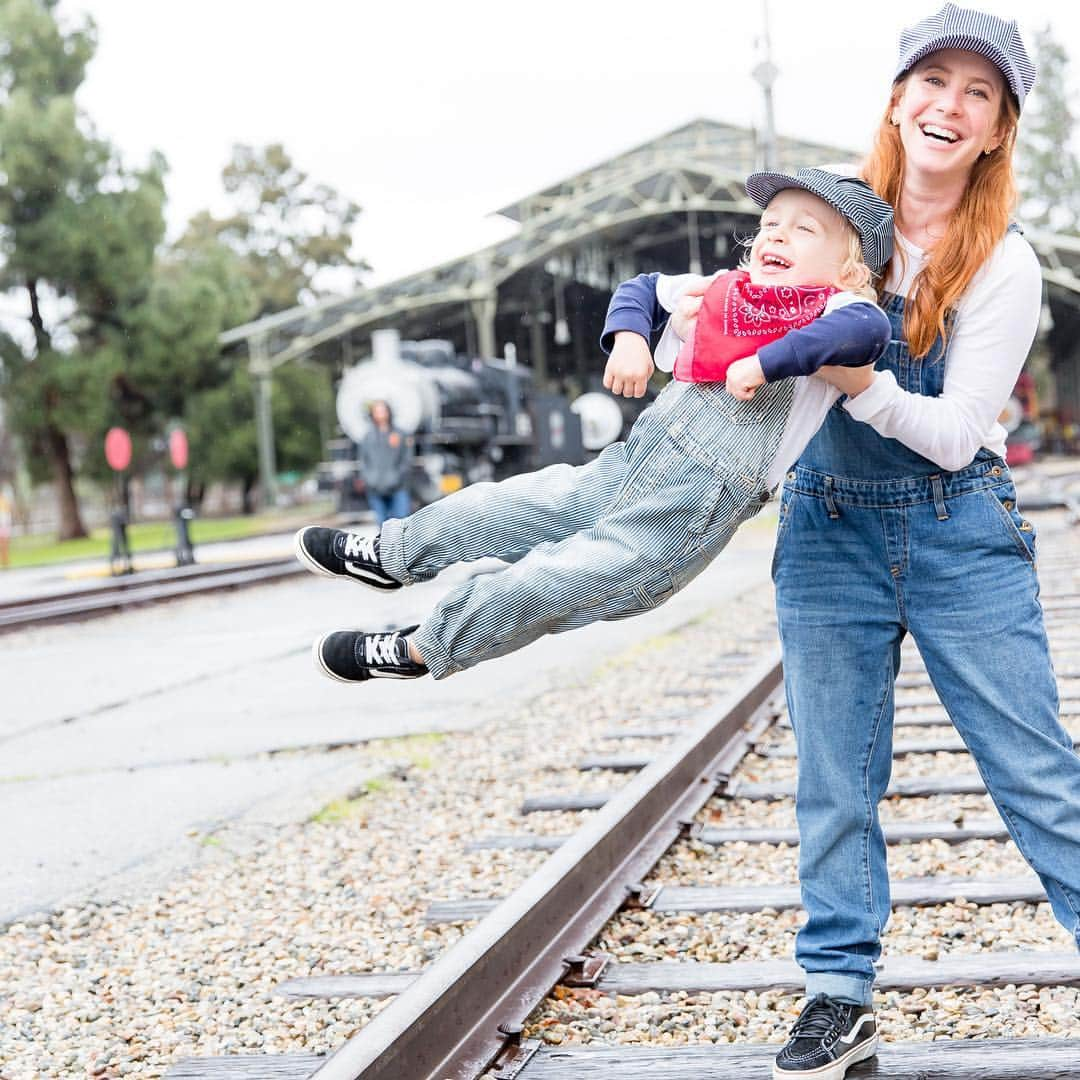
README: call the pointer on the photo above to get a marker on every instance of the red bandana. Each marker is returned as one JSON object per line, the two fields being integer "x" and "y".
{"x": 736, "y": 318}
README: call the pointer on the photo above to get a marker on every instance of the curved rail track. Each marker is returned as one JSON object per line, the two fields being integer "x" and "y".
{"x": 146, "y": 587}
{"x": 464, "y": 1016}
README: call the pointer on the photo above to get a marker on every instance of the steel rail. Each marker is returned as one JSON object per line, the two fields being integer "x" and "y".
{"x": 467, "y": 1009}
{"x": 128, "y": 592}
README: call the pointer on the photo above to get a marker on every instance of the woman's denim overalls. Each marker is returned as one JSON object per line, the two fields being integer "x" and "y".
{"x": 874, "y": 542}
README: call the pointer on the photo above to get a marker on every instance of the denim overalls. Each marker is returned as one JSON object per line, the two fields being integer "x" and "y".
{"x": 874, "y": 542}
{"x": 605, "y": 540}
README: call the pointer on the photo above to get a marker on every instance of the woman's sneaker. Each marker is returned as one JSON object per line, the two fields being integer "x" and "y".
{"x": 338, "y": 554}
{"x": 353, "y": 656}
{"x": 828, "y": 1038}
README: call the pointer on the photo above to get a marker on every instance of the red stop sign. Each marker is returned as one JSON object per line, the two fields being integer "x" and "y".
{"x": 178, "y": 448}
{"x": 118, "y": 449}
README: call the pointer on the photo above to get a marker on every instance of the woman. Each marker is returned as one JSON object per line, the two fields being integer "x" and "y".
{"x": 901, "y": 517}
{"x": 385, "y": 457}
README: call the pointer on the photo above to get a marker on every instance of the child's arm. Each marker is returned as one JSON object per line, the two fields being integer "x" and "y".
{"x": 630, "y": 365}
{"x": 851, "y": 336}
{"x": 854, "y": 335}
{"x": 634, "y": 306}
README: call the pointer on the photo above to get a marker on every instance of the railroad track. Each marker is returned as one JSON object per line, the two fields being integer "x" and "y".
{"x": 146, "y": 587}
{"x": 465, "y": 1015}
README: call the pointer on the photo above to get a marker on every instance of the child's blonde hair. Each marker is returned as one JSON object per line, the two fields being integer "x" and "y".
{"x": 855, "y": 276}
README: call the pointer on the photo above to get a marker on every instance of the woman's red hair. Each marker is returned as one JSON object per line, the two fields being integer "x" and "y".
{"x": 976, "y": 227}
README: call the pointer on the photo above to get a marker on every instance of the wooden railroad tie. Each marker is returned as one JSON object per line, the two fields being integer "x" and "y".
{"x": 897, "y": 832}
{"x": 688, "y": 976}
{"x": 919, "y": 892}
{"x": 914, "y": 786}
{"x": 971, "y": 1059}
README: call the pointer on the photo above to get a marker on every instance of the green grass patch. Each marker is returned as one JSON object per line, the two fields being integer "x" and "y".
{"x": 350, "y": 806}
{"x": 404, "y": 752}
{"x": 144, "y": 536}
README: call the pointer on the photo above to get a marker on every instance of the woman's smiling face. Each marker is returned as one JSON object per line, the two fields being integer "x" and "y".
{"x": 949, "y": 111}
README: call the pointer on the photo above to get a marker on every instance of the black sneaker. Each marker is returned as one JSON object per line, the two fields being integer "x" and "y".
{"x": 353, "y": 656}
{"x": 828, "y": 1038}
{"x": 338, "y": 554}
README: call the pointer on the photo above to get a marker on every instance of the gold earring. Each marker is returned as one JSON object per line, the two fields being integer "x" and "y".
{"x": 989, "y": 150}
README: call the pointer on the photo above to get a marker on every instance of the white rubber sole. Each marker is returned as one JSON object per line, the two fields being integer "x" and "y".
{"x": 306, "y": 560}
{"x": 316, "y": 655}
{"x": 835, "y": 1070}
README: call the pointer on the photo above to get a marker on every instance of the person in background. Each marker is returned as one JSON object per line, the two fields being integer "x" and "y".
{"x": 385, "y": 458}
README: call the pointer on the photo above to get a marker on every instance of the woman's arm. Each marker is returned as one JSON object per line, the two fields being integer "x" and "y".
{"x": 995, "y": 326}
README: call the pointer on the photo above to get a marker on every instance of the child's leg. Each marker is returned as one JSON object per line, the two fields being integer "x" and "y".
{"x": 664, "y": 528}
{"x": 504, "y": 520}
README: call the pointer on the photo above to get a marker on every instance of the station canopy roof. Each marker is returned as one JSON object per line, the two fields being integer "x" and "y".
{"x": 588, "y": 227}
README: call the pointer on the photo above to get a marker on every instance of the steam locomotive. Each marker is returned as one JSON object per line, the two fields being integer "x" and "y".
{"x": 470, "y": 419}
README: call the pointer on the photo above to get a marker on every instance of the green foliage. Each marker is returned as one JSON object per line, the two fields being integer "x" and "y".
{"x": 120, "y": 331}
{"x": 285, "y": 228}
{"x": 123, "y": 330}
{"x": 221, "y": 424}
{"x": 1049, "y": 174}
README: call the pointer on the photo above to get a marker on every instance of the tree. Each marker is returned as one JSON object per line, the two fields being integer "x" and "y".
{"x": 286, "y": 229}
{"x": 221, "y": 426}
{"x": 287, "y": 232}
{"x": 119, "y": 330}
{"x": 77, "y": 238}
{"x": 1049, "y": 174}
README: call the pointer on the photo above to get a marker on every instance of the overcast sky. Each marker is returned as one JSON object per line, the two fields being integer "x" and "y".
{"x": 433, "y": 115}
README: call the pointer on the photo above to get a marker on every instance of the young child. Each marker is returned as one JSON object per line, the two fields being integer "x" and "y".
{"x": 620, "y": 535}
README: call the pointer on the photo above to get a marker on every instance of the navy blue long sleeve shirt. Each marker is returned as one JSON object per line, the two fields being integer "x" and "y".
{"x": 851, "y": 336}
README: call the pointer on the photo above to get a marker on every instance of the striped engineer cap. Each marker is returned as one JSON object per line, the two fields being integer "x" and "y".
{"x": 964, "y": 28}
{"x": 850, "y": 196}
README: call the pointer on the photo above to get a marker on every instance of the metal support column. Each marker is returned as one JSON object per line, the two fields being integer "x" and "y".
{"x": 483, "y": 313}
{"x": 262, "y": 383}
{"x": 537, "y": 334}
{"x": 693, "y": 236}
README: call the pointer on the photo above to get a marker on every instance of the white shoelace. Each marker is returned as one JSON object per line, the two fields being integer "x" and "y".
{"x": 362, "y": 547}
{"x": 381, "y": 648}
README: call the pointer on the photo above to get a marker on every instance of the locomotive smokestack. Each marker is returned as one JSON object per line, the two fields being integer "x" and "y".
{"x": 386, "y": 347}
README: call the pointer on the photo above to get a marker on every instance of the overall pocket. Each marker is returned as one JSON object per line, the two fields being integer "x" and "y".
{"x": 1020, "y": 531}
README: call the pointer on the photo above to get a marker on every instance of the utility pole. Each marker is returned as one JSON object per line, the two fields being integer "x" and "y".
{"x": 765, "y": 73}
{"x": 261, "y": 375}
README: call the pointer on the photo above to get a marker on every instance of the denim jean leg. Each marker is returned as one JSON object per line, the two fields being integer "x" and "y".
{"x": 502, "y": 520}
{"x": 654, "y": 537}
{"x": 840, "y": 629}
{"x": 984, "y": 643}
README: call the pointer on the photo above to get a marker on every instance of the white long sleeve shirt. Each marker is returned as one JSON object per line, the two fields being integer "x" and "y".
{"x": 995, "y": 324}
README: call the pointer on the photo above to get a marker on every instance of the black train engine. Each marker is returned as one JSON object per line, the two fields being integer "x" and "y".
{"x": 469, "y": 419}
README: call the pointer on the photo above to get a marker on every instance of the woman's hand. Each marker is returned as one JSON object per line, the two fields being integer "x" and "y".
{"x": 629, "y": 366}
{"x": 848, "y": 380}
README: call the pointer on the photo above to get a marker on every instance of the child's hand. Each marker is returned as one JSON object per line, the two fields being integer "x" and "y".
{"x": 744, "y": 377}
{"x": 629, "y": 366}
{"x": 687, "y": 308}
{"x": 848, "y": 380}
